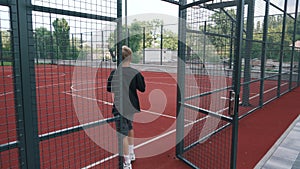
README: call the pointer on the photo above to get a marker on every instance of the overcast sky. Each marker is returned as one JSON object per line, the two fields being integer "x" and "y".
{"x": 151, "y": 6}
{"x": 138, "y": 7}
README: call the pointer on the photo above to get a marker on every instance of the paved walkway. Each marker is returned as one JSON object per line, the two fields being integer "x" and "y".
{"x": 285, "y": 153}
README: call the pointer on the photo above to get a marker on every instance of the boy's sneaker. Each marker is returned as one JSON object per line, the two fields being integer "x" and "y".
{"x": 127, "y": 166}
{"x": 132, "y": 156}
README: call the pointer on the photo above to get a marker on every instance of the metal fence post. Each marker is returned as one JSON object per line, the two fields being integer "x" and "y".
{"x": 293, "y": 47}
{"x": 119, "y": 61}
{"x": 181, "y": 80}
{"x": 247, "y": 66}
{"x": 144, "y": 45}
{"x": 52, "y": 42}
{"x": 231, "y": 44}
{"x": 282, "y": 49}
{"x": 204, "y": 43}
{"x": 102, "y": 46}
{"x": 237, "y": 79}
{"x": 1, "y": 48}
{"x": 298, "y": 83}
{"x": 161, "y": 43}
{"x": 25, "y": 87}
{"x": 92, "y": 46}
{"x": 264, "y": 54}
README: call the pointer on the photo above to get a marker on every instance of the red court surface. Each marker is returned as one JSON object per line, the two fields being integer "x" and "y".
{"x": 56, "y": 93}
{"x": 257, "y": 134}
{"x": 261, "y": 129}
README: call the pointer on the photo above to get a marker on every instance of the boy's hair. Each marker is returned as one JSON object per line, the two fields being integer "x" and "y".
{"x": 126, "y": 52}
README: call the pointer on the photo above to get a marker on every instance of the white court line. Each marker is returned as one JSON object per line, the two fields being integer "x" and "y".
{"x": 101, "y": 161}
{"x": 109, "y": 103}
{"x": 142, "y": 144}
{"x": 268, "y": 90}
{"x": 257, "y": 94}
{"x": 160, "y": 83}
{"x": 70, "y": 128}
{"x": 88, "y": 98}
{"x": 6, "y": 93}
{"x": 86, "y": 89}
{"x": 38, "y": 87}
{"x": 80, "y": 83}
{"x": 161, "y": 136}
{"x": 51, "y": 85}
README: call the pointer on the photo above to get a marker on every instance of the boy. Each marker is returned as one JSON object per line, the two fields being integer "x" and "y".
{"x": 132, "y": 80}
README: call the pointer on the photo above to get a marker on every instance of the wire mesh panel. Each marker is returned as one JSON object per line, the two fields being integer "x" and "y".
{"x": 9, "y": 156}
{"x": 72, "y": 65}
{"x": 55, "y": 61}
{"x": 207, "y": 81}
{"x": 257, "y": 60}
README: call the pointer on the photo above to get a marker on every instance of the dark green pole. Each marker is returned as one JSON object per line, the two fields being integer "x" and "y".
{"x": 298, "y": 83}
{"x": 181, "y": 80}
{"x": 128, "y": 37}
{"x": 293, "y": 47}
{"x": 126, "y": 24}
{"x": 237, "y": 79}
{"x": 248, "y": 49}
{"x": 102, "y": 46}
{"x": 264, "y": 54}
{"x": 204, "y": 43}
{"x": 81, "y": 41}
{"x": 73, "y": 46}
{"x": 92, "y": 46}
{"x": 119, "y": 61}
{"x": 161, "y": 43}
{"x": 52, "y": 41}
{"x": 144, "y": 44}
{"x": 1, "y": 48}
{"x": 25, "y": 93}
{"x": 231, "y": 45}
{"x": 282, "y": 49}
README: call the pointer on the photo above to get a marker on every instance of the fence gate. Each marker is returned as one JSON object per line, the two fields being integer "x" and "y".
{"x": 207, "y": 120}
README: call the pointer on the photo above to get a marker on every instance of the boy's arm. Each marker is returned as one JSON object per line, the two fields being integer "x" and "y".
{"x": 109, "y": 81}
{"x": 113, "y": 56}
{"x": 141, "y": 86}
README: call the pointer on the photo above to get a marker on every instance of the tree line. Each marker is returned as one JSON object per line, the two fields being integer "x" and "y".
{"x": 222, "y": 25}
{"x": 58, "y": 44}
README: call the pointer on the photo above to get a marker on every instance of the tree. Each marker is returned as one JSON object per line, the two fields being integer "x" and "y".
{"x": 6, "y": 46}
{"x": 152, "y": 37}
{"x": 290, "y": 27}
{"x": 170, "y": 40}
{"x": 153, "y": 32}
{"x": 258, "y": 26}
{"x": 221, "y": 25}
{"x": 43, "y": 43}
{"x": 62, "y": 36}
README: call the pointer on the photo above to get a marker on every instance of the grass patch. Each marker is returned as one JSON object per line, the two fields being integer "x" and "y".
{"x": 6, "y": 63}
